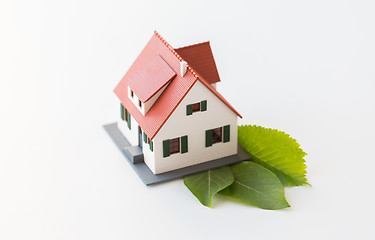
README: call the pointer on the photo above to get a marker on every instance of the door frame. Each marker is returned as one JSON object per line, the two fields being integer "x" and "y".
{"x": 140, "y": 142}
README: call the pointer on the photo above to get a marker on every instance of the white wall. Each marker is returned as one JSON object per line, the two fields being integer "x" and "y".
{"x": 149, "y": 156}
{"x": 195, "y": 126}
{"x": 130, "y": 134}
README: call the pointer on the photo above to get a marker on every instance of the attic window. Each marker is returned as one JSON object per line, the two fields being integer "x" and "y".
{"x": 140, "y": 103}
{"x": 131, "y": 93}
{"x": 196, "y": 107}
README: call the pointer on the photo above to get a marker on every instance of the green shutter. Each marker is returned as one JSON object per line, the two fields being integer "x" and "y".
{"x": 151, "y": 146}
{"x": 144, "y": 137}
{"x": 189, "y": 109}
{"x": 209, "y": 136}
{"x": 129, "y": 120}
{"x": 166, "y": 152}
{"x": 226, "y": 133}
{"x": 184, "y": 144}
{"x": 126, "y": 114}
{"x": 122, "y": 111}
{"x": 203, "y": 105}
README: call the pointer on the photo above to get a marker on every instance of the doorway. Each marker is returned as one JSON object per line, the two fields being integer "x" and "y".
{"x": 140, "y": 142}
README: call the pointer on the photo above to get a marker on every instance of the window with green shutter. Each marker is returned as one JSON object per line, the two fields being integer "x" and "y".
{"x": 217, "y": 135}
{"x": 175, "y": 145}
{"x": 226, "y": 133}
{"x": 196, "y": 107}
{"x": 184, "y": 144}
{"x": 209, "y": 135}
{"x": 166, "y": 152}
{"x": 151, "y": 146}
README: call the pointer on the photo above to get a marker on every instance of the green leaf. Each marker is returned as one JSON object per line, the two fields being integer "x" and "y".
{"x": 256, "y": 185}
{"x": 205, "y": 185}
{"x": 276, "y": 151}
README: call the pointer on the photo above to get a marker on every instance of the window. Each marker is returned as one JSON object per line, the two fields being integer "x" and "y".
{"x": 131, "y": 93}
{"x": 196, "y": 107}
{"x": 175, "y": 145}
{"x": 217, "y": 135}
{"x": 140, "y": 103}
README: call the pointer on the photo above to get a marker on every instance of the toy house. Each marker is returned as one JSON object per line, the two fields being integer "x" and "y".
{"x": 170, "y": 108}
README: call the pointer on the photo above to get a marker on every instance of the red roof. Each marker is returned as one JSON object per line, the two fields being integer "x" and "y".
{"x": 151, "y": 78}
{"x": 158, "y": 48}
{"x": 199, "y": 57}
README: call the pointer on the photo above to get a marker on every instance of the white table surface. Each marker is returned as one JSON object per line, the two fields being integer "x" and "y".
{"x": 304, "y": 67}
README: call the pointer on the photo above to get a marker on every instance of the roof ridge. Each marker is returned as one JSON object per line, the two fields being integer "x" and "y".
{"x": 193, "y": 45}
{"x": 175, "y": 53}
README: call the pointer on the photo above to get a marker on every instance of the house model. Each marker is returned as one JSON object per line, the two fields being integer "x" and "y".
{"x": 171, "y": 110}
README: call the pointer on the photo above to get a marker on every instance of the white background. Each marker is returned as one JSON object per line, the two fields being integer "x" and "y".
{"x": 304, "y": 67}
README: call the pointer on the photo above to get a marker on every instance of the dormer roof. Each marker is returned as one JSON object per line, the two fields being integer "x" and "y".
{"x": 150, "y": 78}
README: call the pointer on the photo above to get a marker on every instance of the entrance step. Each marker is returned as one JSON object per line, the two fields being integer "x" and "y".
{"x": 134, "y": 153}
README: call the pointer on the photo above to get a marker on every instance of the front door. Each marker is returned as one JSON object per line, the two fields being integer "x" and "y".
{"x": 140, "y": 142}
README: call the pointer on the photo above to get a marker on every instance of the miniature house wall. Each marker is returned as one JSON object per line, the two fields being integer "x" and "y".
{"x": 194, "y": 126}
{"x": 186, "y": 121}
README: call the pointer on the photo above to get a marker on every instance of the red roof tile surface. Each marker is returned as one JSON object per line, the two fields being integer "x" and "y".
{"x": 199, "y": 57}
{"x": 155, "y": 118}
{"x": 152, "y": 77}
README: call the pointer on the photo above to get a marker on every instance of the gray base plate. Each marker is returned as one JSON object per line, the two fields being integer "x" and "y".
{"x": 149, "y": 177}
